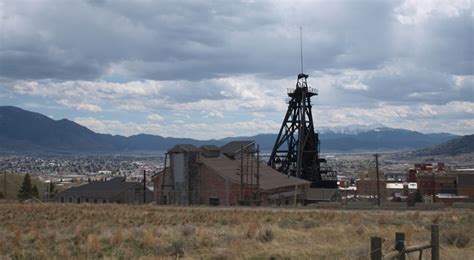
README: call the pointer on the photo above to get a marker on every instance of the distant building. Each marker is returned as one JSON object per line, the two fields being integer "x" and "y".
{"x": 437, "y": 183}
{"x": 465, "y": 183}
{"x": 314, "y": 195}
{"x": 445, "y": 185}
{"x": 368, "y": 187}
{"x": 116, "y": 190}
{"x": 229, "y": 175}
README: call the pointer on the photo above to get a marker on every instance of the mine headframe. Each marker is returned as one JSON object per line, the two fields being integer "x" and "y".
{"x": 296, "y": 150}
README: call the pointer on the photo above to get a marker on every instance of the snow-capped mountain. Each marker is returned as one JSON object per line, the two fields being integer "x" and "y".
{"x": 349, "y": 129}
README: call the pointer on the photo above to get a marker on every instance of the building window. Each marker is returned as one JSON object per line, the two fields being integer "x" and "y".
{"x": 214, "y": 202}
{"x": 62, "y": 199}
{"x": 104, "y": 201}
{"x": 87, "y": 200}
{"x": 70, "y": 200}
{"x": 95, "y": 200}
{"x": 78, "y": 200}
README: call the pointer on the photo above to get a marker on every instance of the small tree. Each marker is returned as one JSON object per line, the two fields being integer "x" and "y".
{"x": 25, "y": 190}
{"x": 52, "y": 190}
{"x": 418, "y": 196}
{"x": 35, "y": 192}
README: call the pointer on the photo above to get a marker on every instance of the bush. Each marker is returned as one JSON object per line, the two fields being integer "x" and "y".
{"x": 457, "y": 238}
{"x": 188, "y": 230}
{"x": 176, "y": 248}
{"x": 265, "y": 235}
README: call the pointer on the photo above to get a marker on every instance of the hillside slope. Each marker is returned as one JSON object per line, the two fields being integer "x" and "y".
{"x": 25, "y": 131}
{"x": 461, "y": 145}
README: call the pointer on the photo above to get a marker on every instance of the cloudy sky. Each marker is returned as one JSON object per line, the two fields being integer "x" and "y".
{"x": 207, "y": 69}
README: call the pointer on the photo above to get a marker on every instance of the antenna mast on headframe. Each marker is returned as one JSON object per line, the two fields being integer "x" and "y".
{"x": 301, "y": 47}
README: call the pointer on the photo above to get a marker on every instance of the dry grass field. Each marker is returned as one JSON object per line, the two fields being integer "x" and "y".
{"x": 55, "y": 231}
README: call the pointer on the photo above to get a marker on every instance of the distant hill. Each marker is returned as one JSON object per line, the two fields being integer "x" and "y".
{"x": 24, "y": 131}
{"x": 383, "y": 138}
{"x": 460, "y": 145}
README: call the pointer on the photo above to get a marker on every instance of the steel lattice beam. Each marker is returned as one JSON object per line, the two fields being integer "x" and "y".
{"x": 296, "y": 149}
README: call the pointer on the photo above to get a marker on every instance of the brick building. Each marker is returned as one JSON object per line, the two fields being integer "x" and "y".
{"x": 465, "y": 183}
{"x": 437, "y": 183}
{"x": 229, "y": 175}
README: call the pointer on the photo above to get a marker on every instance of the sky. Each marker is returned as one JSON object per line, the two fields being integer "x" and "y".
{"x": 212, "y": 69}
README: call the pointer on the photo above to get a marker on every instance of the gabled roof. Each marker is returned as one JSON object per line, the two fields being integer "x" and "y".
{"x": 269, "y": 177}
{"x": 185, "y": 147}
{"x": 210, "y": 147}
{"x": 106, "y": 188}
{"x": 235, "y": 146}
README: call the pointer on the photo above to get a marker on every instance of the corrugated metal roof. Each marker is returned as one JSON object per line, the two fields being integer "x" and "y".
{"x": 269, "y": 177}
{"x": 186, "y": 147}
{"x": 105, "y": 187}
{"x": 210, "y": 148}
{"x": 235, "y": 146}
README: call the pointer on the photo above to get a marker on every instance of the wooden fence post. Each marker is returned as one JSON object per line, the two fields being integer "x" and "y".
{"x": 400, "y": 244}
{"x": 434, "y": 242}
{"x": 376, "y": 248}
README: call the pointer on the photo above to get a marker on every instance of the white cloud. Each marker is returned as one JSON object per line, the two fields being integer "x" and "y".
{"x": 80, "y": 106}
{"x": 417, "y": 11}
{"x": 216, "y": 114}
{"x": 155, "y": 117}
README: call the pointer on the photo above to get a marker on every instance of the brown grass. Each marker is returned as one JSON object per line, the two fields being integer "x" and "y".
{"x": 48, "y": 231}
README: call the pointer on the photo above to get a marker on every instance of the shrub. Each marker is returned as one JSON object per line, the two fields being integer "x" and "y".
{"x": 176, "y": 248}
{"x": 265, "y": 235}
{"x": 251, "y": 230}
{"x": 188, "y": 230}
{"x": 457, "y": 238}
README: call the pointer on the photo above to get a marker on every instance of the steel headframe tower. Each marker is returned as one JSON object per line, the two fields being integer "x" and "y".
{"x": 296, "y": 150}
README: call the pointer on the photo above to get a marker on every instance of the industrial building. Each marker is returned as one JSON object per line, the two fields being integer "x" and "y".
{"x": 230, "y": 175}
{"x": 116, "y": 190}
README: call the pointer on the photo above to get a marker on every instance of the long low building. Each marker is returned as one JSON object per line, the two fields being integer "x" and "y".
{"x": 116, "y": 190}
{"x": 229, "y": 175}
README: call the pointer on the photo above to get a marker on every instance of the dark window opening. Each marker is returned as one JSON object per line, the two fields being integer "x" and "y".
{"x": 95, "y": 200}
{"x": 62, "y": 199}
{"x": 214, "y": 201}
{"x": 70, "y": 200}
{"x": 78, "y": 200}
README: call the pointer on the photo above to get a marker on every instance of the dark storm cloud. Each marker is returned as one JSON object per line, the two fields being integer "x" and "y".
{"x": 36, "y": 65}
{"x": 196, "y": 40}
{"x": 189, "y": 40}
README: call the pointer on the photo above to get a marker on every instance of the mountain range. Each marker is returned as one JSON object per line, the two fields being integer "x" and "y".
{"x": 25, "y": 131}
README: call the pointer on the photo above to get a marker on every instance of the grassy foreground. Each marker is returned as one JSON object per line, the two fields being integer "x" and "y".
{"x": 58, "y": 231}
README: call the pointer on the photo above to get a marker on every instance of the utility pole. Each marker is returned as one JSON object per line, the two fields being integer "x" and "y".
{"x": 5, "y": 184}
{"x": 258, "y": 173}
{"x": 433, "y": 186}
{"x": 144, "y": 186}
{"x": 241, "y": 174}
{"x": 378, "y": 179}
